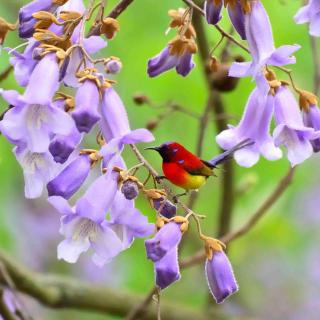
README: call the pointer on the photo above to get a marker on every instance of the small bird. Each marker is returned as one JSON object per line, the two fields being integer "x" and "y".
{"x": 186, "y": 170}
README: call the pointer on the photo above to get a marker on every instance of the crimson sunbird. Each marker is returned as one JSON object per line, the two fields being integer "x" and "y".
{"x": 186, "y": 170}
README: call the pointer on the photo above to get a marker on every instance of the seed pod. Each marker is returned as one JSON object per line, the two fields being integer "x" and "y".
{"x": 130, "y": 189}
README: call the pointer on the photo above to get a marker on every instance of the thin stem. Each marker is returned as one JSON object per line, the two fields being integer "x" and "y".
{"x": 316, "y": 61}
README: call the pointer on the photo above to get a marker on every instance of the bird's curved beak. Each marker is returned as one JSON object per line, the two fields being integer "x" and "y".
{"x": 153, "y": 148}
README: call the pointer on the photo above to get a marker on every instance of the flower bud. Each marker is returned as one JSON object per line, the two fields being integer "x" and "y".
{"x": 140, "y": 99}
{"x": 220, "y": 277}
{"x": 113, "y": 66}
{"x": 152, "y": 124}
{"x": 168, "y": 209}
{"x": 130, "y": 189}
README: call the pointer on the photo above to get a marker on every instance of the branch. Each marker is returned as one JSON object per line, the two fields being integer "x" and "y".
{"x": 5, "y": 73}
{"x": 119, "y": 8}
{"x": 62, "y": 292}
{"x": 315, "y": 56}
{"x": 255, "y": 218}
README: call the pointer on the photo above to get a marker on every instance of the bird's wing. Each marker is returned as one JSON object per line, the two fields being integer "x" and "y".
{"x": 196, "y": 168}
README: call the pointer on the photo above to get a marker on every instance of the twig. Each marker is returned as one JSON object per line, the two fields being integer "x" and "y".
{"x": 136, "y": 312}
{"x": 114, "y": 13}
{"x": 262, "y": 210}
{"x": 5, "y": 73}
{"x": 315, "y": 56}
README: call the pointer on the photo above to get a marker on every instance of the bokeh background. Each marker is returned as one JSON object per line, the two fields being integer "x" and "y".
{"x": 277, "y": 264}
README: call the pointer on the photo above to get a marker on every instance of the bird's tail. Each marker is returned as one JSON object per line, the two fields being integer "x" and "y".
{"x": 229, "y": 153}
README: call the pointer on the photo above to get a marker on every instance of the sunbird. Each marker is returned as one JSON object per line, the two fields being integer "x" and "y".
{"x": 184, "y": 169}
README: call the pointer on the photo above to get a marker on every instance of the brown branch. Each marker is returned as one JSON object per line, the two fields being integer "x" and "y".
{"x": 5, "y": 73}
{"x": 62, "y": 292}
{"x": 315, "y": 56}
{"x": 137, "y": 311}
{"x": 255, "y": 218}
{"x": 119, "y": 8}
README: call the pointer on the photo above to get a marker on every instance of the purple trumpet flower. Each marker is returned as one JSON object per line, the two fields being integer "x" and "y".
{"x": 71, "y": 178}
{"x": 178, "y": 54}
{"x": 87, "y": 100}
{"x": 163, "y": 251}
{"x": 254, "y": 125}
{"x": 261, "y": 45}
{"x": 34, "y": 119}
{"x": 84, "y": 226}
{"x": 61, "y": 146}
{"x": 168, "y": 237}
{"x": 38, "y": 169}
{"x": 213, "y": 9}
{"x": 26, "y": 20}
{"x": 24, "y": 63}
{"x": 311, "y": 119}
{"x": 220, "y": 277}
{"x": 310, "y": 14}
{"x": 115, "y": 127}
{"x": 167, "y": 269}
{"x": 290, "y": 129}
{"x": 128, "y": 222}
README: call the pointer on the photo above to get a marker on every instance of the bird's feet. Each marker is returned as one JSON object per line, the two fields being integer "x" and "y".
{"x": 159, "y": 178}
{"x": 177, "y": 196}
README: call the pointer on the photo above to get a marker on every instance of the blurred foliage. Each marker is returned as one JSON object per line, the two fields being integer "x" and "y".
{"x": 273, "y": 262}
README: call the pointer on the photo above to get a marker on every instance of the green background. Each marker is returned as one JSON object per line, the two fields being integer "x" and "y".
{"x": 276, "y": 264}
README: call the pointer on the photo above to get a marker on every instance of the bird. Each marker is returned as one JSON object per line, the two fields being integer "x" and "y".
{"x": 187, "y": 171}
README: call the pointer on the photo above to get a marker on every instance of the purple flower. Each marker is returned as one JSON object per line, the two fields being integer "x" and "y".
{"x": 71, "y": 178}
{"x": 61, "y": 146}
{"x": 87, "y": 102}
{"x": 163, "y": 251}
{"x": 167, "y": 269}
{"x": 38, "y": 170}
{"x": 127, "y": 221}
{"x": 311, "y": 119}
{"x": 115, "y": 127}
{"x": 290, "y": 129}
{"x": 310, "y": 14}
{"x": 178, "y": 54}
{"x": 220, "y": 277}
{"x": 261, "y": 45}
{"x": 26, "y": 20}
{"x": 254, "y": 125}
{"x": 84, "y": 226}
{"x": 24, "y": 63}
{"x": 213, "y": 9}
{"x": 34, "y": 119}
{"x": 168, "y": 237}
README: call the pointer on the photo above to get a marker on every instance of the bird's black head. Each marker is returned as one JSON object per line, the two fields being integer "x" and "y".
{"x": 167, "y": 150}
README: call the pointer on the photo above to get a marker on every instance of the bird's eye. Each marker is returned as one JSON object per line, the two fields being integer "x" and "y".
{"x": 180, "y": 161}
{"x": 175, "y": 150}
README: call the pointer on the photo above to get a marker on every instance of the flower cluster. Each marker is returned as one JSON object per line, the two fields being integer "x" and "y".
{"x": 47, "y": 127}
{"x": 298, "y": 132}
{"x": 66, "y": 96}
{"x": 178, "y": 53}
